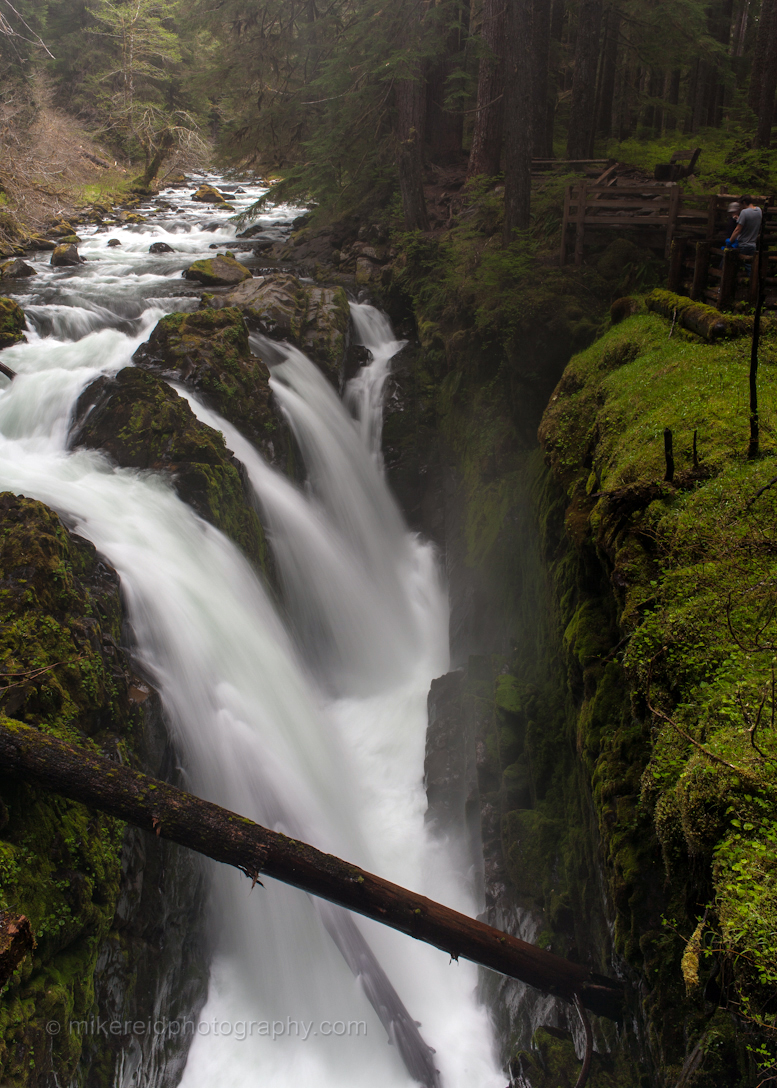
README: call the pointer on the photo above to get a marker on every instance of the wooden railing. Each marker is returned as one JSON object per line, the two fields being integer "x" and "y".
{"x": 645, "y": 206}
{"x": 701, "y": 268}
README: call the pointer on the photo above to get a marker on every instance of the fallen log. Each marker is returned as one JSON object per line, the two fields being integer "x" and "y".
{"x": 163, "y": 810}
{"x": 705, "y": 321}
{"x": 11, "y": 374}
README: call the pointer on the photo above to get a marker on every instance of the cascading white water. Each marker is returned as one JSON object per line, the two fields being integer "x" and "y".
{"x": 323, "y": 739}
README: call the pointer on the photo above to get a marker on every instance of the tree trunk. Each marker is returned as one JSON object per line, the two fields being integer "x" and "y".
{"x": 161, "y": 809}
{"x": 768, "y": 78}
{"x": 542, "y": 149}
{"x": 557, "y": 14}
{"x": 518, "y": 110}
{"x": 609, "y": 66}
{"x": 763, "y": 41}
{"x": 581, "y": 114}
{"x": 486, "y": 151}
{"x": 411, "y": 103}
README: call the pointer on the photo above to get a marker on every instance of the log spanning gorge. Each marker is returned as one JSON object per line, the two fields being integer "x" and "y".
{"x": 307, "y": 716}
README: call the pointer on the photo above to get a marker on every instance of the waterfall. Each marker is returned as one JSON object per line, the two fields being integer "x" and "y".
{"x": 311, "y": 722}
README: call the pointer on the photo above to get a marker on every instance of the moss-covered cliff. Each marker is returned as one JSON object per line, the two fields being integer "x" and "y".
{"x": 622, "y": 689}
{"x": 64, "y": 670}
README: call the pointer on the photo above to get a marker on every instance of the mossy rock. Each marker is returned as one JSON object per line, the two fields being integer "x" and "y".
{"x": 66, "y": 256}
{"x": 12, "y": 322}
{"x": 209, "y": 194}
{"x": 315, "y": 319}
{"x": 208, "y": 352}
{"x": 140, "y": 422}
{"x": 59, "y": 861}
{"x": 221, "y": 271}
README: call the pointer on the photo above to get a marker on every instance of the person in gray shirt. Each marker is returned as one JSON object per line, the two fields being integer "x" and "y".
{"x": 744, "y": 237}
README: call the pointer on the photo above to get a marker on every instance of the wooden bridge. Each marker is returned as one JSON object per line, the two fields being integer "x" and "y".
{"x": 690, "y": 229}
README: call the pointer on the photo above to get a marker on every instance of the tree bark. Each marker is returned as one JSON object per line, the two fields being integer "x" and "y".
{"x": 581, "y": 115}
{"x": 518, "y": 110}
{"x": 486, "y": 150}
{"x": 161, "y": 809}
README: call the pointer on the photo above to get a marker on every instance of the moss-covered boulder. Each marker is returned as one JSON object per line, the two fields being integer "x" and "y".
{"x": 209, "y": 194}
{"x": 208, "y": 352}
{"x": 140, "y": 422}
{"x": 221, "y": 271}
{"x": 315, "y": 319}
{"x": 12, "y": 322}
{"x": 66, "y": 256}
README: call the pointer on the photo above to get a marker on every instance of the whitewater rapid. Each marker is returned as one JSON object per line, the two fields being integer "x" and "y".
{"x": 312, "y": 722}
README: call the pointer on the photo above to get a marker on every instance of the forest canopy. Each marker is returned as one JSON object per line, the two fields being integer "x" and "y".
{"x": 348, "y": 97}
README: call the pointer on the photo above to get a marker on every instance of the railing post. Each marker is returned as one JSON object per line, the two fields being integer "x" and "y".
{"x": 676, "y": 264}
{"x": 674, "y": 208}
{"x": 565, "y": 225}
{"x": 728, "y": 279}
{"x": 582, "y": 197}
{"x": 700, "y": 266}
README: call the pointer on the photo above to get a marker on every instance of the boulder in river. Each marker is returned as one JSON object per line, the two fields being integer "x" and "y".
{"x": 315, "y": 319}
{"x": 12, "y": 323}
{"x": 140, "y": 422}
{"x": 160, "y": 247}
{"x": 221, "y": 271}
{"x": 208, "y": 194}
{"x": 65, "y": 256}
{"x": 113, "y": 242}
{"x": 16, "y": 269}
{"x": 208, "y": 352}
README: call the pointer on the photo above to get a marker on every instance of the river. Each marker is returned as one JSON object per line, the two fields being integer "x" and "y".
{"x": 311, "y": 721}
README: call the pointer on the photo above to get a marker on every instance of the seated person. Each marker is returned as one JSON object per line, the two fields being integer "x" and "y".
{"x": 744, "y": 237}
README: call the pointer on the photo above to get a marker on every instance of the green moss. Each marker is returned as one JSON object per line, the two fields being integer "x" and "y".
{"x": 12, "y": 322}
{"x": 692, "y": 572}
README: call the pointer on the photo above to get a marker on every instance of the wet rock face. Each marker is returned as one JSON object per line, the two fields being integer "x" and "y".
{"x": 221, "y": 271}
{"x": 140, "y": 422}
{"x": 208, "y": 352}
{"x": 314, "y": 319}
{"x": 64, "y": 669}
{"x": 65, "y": 256}
{"x": 12, "y": 323}
{"x": 159, "y": 247}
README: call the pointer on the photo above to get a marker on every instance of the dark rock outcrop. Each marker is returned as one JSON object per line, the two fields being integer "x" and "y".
{"x": 12, "y": 322}
{"x": 315, "y": 319}
{"x": 208, "y": 352}
{"x": 17, "y": 269}
{"x": 140, "y": 422}
{"x": 65, "y": 256}
{"x": 221, "y": 271}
